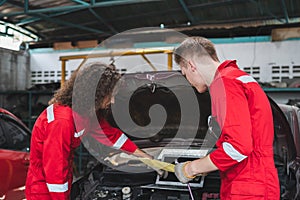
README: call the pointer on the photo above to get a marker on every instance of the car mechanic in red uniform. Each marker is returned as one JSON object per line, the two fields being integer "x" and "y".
{"x": 244, "y": 154}
{"x": 58, "y": 130}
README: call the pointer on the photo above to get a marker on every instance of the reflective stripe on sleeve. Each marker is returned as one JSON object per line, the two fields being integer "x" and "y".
{"x": 50, "y": 113}
{"x": 120, "y": 142}
{"x": 58, "y": 187}
{"x": 232, "y": 152}
{"x": 78, "y": 134}
{"x": 246, "y": 79}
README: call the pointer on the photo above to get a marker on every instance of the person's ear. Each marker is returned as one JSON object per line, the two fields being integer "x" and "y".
{"x": 192, "y": 65}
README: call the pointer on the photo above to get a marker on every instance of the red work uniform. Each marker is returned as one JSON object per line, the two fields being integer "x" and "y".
{"x": 54, "y": 138}
{"x": 244, "y": 153}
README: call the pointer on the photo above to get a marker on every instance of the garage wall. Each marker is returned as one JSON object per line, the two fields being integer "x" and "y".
{"x": 46, "y": 66}
{"x": 265, "y": 61}
{"x": 14, "y": 70}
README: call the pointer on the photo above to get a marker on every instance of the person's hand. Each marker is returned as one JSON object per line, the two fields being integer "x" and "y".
{"x": 162, "y": 173}
{"x": 181, "y": 173}
{"x": 142, "y": 154}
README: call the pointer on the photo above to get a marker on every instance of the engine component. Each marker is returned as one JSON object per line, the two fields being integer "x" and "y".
{"x": 126, "y": 191}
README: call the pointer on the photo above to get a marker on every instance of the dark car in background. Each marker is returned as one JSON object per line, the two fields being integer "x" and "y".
{"x": 165, "y": 123}
{"x": 292, "y": 114}
{"x": 14, "y": 156}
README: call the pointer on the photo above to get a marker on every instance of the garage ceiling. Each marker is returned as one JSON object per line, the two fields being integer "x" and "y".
{"x": 78, "y": 20}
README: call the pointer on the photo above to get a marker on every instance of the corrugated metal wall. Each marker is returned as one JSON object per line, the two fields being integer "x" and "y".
{"x": 14, "y": 70}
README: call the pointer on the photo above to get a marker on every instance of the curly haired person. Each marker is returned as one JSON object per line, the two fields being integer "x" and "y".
{"x": 76, "y": 109}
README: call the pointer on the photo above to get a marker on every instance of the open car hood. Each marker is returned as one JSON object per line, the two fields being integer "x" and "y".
{"x": 163, "y": 102}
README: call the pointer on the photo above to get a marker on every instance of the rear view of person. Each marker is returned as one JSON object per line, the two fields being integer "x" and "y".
{"x": 59, "y": 128}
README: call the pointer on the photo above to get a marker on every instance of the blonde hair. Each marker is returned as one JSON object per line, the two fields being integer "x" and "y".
{"x": 195, "y": 46}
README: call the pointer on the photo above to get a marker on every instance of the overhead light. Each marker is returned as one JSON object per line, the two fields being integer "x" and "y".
{"x": 162, "y": 26}
{"x": 188, "y": 23}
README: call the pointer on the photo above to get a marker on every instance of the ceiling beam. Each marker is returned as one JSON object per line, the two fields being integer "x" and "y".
{"x": 286, "y": 15}
{"x": 26, "y": 6}
{"x": 79, "y": 7}
{"x": 2, "y": 2}
{"x": 81, "y": 2}
{"x": 61, "y": 22}
{"x": 267, "y": 11}
{"x": 178, "y": 9}
{"x": 187, "y": 11}
{"x": 101, "y": 20}
{"x": 45, "y": 17}
{"x": 85, "y": 4}
{"x": 36, "y": 19}
{"x": 167, "y": 11}
{"x": 62, "y": 28}
{"x": 217, "y": 3}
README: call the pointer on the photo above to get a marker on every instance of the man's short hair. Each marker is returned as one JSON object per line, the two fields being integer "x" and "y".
{"x": 195, "y": 46}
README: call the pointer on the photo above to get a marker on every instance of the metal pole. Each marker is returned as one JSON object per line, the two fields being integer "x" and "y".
{"x": 63, "y": 72}
{"x": 30, "y": 110}
{"x": 170, "y": 61}
{"x": 149, "y": 62}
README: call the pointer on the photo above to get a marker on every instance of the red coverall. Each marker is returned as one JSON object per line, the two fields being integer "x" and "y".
{"x": 244, "y": 153}
{"x": 54, "y": 138}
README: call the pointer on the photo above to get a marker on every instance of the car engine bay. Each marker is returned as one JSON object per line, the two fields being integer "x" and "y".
{"x": 125, "y": 177}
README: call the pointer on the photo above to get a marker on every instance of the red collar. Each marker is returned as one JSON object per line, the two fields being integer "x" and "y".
{"x": 225, "y": 64}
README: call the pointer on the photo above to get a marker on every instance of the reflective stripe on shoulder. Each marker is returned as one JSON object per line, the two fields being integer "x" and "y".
{"x": 246, "y": 79}
{"x": 120, "y": 142}
{"x": 50, "y": 113}
{"x": 232, "y": 152}
{"x": 78, "y": 134}
{"x": 58, "y": 187}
